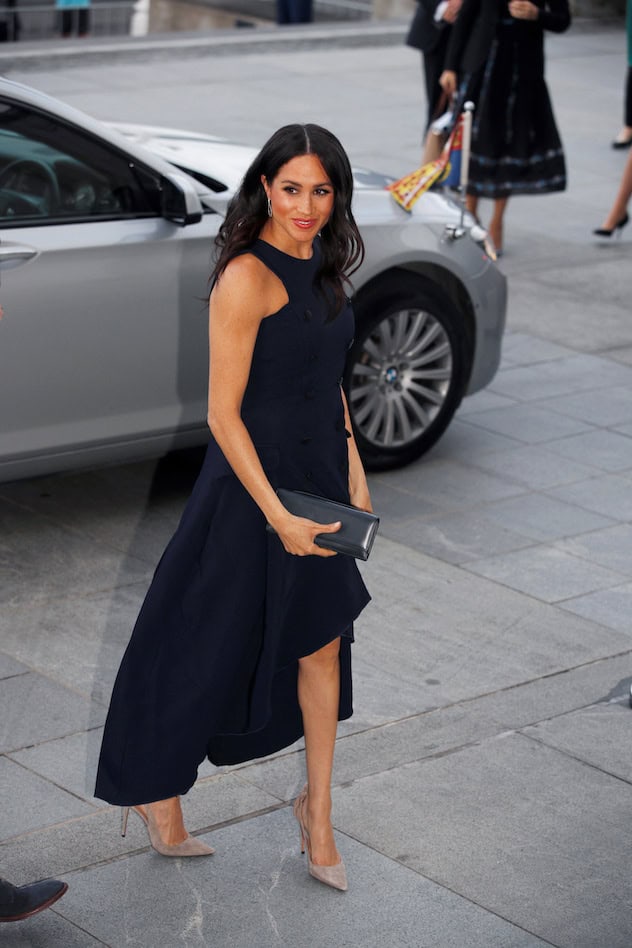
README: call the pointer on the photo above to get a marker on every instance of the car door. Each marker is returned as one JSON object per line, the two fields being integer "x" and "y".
{"x": 103, "y": 348}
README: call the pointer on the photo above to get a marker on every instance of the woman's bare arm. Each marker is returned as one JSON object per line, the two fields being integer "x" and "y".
{"x": 245, "y": 294}
{"x": 358, "y": 487}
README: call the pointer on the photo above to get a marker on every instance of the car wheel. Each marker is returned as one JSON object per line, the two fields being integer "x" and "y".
{"x": 406, "y": 371}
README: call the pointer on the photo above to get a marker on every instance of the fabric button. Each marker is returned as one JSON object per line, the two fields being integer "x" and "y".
{"x": 313, "y": 357}
{"x": 307, "y": 315}
{"x": 305, "y": 440}
{"x": 309, "y": 394}
{"x": 308, "y": 475}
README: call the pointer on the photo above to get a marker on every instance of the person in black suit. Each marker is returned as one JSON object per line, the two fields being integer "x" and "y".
{"x": 429, "y": 32}
{"x": 495, "y": 57}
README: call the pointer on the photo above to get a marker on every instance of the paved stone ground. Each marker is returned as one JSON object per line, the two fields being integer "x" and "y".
{"x": 483, "y": 788}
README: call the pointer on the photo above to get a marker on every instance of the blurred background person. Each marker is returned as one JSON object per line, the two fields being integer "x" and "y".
{"x": 10, "y": 25}
{"x": 294, "y": 11}
{"x": 75, "y": 17}
{"x": 624, "y": 138}
{"x": 429, "y": 32}
{"x": 495, "y": 57}
{"x": 618, "y": 215}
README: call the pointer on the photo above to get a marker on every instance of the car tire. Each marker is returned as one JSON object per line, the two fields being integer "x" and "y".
{"x": 406, "y": 371}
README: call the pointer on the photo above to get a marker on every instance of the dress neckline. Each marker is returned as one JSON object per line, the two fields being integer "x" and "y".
{"x": 289, "y": 256}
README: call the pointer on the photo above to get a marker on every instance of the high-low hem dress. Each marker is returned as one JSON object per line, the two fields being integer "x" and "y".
{"x": 211, "y": 668}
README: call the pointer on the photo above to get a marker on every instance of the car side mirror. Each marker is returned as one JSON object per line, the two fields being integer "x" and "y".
{"x": 180, "y": 202}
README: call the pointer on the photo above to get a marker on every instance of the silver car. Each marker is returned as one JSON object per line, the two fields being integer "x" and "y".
{"x": 105, "y": 251}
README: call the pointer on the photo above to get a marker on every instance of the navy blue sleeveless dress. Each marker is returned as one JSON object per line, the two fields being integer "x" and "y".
{"x": 211, "y": 668}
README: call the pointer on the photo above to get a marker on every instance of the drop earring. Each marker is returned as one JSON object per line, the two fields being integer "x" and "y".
{"x": 269, "y": 208}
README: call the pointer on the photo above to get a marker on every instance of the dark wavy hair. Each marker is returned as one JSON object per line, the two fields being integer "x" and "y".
{"x": 341, "y": 243}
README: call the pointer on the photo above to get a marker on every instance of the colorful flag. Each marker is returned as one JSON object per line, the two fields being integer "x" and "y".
{"x": 446, "y": 169}
{"x": 451, "y": 177}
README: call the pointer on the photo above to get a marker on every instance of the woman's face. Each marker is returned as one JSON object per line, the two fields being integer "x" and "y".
{"x": 302, "y": 198}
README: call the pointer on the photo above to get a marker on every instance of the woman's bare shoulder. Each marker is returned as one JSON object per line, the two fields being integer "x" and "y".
{"x": 248, "y": 284}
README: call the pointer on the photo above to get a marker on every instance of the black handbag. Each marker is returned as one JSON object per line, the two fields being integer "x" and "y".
{"x": 357, "y": 533}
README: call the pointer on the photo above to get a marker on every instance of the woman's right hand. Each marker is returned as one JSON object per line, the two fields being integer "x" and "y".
{"x": 297, "y": 536}
{"x": 447, "y": 81}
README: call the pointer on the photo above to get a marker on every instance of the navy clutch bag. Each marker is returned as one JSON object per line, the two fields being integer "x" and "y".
{"x": 357, "y": 533}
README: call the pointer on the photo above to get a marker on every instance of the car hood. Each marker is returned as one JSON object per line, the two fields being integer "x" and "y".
{"x": 221, "y": 166}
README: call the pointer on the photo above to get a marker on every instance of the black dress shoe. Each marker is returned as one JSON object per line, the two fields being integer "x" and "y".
{"x": 20, "y": 901}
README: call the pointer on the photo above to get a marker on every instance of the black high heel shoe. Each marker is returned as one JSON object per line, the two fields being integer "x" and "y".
{"x": 609, "y": 231}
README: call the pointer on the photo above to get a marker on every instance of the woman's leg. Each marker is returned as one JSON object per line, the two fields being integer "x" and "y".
{"x": 319, "y": 698}
{"x": 471, "y": 204}
{"x": 167, "y": 815}
{"x": 620, "y": 206}
{"x": 496, "y": 223}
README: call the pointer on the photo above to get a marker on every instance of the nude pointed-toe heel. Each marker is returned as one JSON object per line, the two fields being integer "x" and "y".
{"x": 333, "y": 876}
{"x": 188, "y": 847}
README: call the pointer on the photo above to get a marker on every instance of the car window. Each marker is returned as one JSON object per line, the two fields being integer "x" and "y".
{"x": 51, "y": 172}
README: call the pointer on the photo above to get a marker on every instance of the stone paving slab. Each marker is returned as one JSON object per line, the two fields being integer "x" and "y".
{"x": 27, "y": 537}
{"x": 562, "y": 377}
{"x": 463, "y": 442}
{"x": 611, "y": 548}
{"x": 34, "y": 709}
{"x": 605, "y": 449}
{"x": 69, "y": 762}
{"x": 609, "y": 496}
{"x": 30, "y": 803}
{"x": 535, "y": 467}
{"x": 95, "y": 838}
{"x": 455, "y": 538}
{"x": 607, "y": 407}
{"x": 610, "y": 607}
{"x": 544, "y": 517}
{"x": 77, "y": 640}
{"x": 435, "y": 733}
{"x": 432, "y": 620}
{"x": 546, "y": 573}
{"x": 46, "y": 930}
{"x": 592, "y": 327}
{"x": 450, "y": 484}
{"x": 124, "y": 515}
{"x": 10, "y": 667}
{"x": 599, "y": 735}
{"x": 529, "y": 423}
{"x": 524, "y": 349}
{"x": 256, "y": 891}
{"x": 542, "y": 833}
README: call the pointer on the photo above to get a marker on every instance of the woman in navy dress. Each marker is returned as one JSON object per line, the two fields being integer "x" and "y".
{"x": 243, "y": 642}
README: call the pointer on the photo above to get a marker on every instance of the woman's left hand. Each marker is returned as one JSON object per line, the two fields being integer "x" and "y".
{"x": 524, "y": 10}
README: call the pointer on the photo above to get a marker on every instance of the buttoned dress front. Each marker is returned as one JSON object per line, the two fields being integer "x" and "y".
{"x": 211, "y": 668}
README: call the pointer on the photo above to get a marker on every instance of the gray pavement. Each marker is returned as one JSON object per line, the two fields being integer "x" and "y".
{"x": 483, "y": 788}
